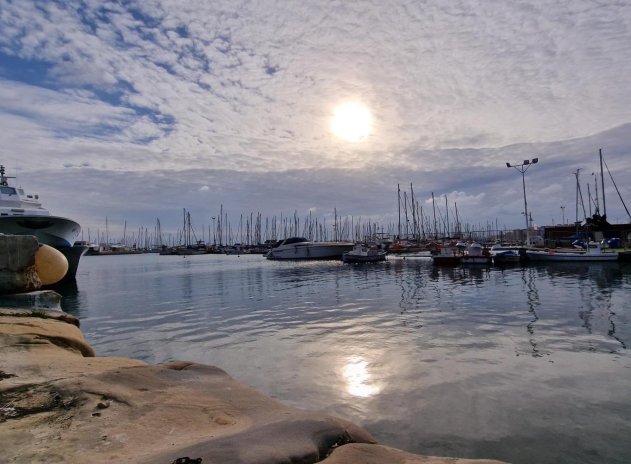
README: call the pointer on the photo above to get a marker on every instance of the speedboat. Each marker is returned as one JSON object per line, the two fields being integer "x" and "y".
{"x": 364, "y": 254}
{"x": 301, "y": 248}
{"x": 594, "y": 252}
{"x": 22, "y": 214}
{"x": 506, "y": 256}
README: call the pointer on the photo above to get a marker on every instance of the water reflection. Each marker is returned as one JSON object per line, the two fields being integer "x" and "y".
{"x": 605, "y": 274}
{"x": 557, "y": 299}
{"x": 532, "y": 300}
{"x": 71, "y": 301}
{"x": 358, "y": 379}
{"x": 385, "y": 345}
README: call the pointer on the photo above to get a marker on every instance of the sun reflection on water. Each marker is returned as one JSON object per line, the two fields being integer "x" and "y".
{"x": 357, "y": 378}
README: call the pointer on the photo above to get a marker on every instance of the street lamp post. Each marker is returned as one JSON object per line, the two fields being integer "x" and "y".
{"x": 523, "y": 167}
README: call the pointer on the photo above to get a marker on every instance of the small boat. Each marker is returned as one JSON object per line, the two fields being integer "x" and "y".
{"x": 594, "y": 252}
{"x": 405, "y": 247}
{"x": 364, "y": 254}
{"x": 301, "y": 248}
{"x": 506, "y": 257}
{"x": 235, "y": 249}
{"x": 476, "y": 254}
{"x": 446, "y": 255}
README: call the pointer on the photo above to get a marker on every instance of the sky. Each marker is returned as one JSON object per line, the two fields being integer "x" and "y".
{"x": 135, "y": 110}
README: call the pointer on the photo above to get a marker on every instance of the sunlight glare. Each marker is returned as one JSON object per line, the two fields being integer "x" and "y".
{"x": 351, "y": 121}
{"x": 358, "y": 380}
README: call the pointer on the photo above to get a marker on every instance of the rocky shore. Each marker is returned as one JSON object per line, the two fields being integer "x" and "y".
{"x": 60, "y": 403}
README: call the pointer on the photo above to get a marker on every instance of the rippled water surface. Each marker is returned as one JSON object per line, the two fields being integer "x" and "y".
{"x": 520, "y": 364}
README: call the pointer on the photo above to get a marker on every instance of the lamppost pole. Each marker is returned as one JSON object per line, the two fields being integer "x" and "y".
{"x": 522, "y": 168}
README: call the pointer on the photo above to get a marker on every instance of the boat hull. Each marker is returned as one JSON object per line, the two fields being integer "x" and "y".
{"x": 55, "y": 231}
{"x": 440, "y": 260}
{"x": 507, "y": 258}
{"x": 73, "y": 254}
{"x": 476, "y": 260}
{"x": 552, "y": 256}
{"x": 311, "y": 251}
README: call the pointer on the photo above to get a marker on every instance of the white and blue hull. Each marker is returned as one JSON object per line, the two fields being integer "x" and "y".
{"x": 55, "y": 231}
{"x": 313, "y": 250}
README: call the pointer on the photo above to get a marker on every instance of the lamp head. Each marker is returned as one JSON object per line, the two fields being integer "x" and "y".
{"x": 526, "y": 162}
{"x": 535, "y": 160}
{"x": 508, "y": 165}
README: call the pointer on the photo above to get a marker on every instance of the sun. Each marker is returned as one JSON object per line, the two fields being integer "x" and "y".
{"x": 351, "y": 121}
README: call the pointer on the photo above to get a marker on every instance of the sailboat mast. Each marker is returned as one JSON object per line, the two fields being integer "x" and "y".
{"x": 399, "y": 204}
{"x": 596, "y": 201}
{"x": 435, "y": 225}
{"x": 447, "y": 210}
{"x": 602, "y": 182}
{"x": 457, "y": 220}
{"x": 405, "y": 210}
{"x": 414, "y": 216}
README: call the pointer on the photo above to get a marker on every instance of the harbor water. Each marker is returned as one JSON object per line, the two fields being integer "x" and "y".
{"x": 522, "y": 364}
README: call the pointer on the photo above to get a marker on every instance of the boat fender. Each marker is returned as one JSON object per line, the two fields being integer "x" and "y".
{"x": 50, "y": 264}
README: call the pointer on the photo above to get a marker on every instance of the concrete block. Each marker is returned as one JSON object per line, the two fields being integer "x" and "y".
{"x": 17, "y": 264}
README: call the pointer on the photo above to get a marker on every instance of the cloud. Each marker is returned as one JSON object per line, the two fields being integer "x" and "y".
{"x": 187, "y": 90}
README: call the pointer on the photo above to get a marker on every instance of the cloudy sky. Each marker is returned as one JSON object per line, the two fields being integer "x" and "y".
{"x": 136, "y": 109}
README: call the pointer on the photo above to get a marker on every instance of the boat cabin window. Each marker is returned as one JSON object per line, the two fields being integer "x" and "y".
{"x": 291, "y": 240}
{"x": 7, "y": 190}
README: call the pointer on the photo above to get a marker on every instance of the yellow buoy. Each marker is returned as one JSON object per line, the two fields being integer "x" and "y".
{"x": 50, "y": 264}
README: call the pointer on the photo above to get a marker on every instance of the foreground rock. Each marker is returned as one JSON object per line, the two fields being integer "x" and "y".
{"x": 59, "y": 403}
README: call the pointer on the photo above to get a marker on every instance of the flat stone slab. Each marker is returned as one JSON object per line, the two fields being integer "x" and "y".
{"x": 59, "y": 403}
{"x": 41, "y": 300}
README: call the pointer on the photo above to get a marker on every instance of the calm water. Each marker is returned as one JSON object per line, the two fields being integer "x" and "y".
{"x": 521, "y": 364}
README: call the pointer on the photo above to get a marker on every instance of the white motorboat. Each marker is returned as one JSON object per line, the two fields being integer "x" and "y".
{"x": 301, "y": 248}
{"x": 511, "y": 256}
{"x": 22, "y": 214}
{"x": 364, "y": 254}
{"x": 594, "y": 252}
